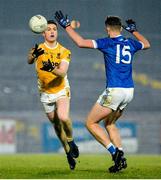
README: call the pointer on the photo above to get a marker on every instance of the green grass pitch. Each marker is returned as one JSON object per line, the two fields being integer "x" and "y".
{"x": 94, "y": 166}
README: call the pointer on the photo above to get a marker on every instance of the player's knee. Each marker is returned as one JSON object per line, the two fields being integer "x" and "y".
{"x": 63, "y": 117}
{"x": 88, "y": 124}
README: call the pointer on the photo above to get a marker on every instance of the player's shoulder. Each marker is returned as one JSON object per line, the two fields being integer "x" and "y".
{"x": 135, "y": 44}
{"x": 102, "y": 42}
{"x": 64, "y": 49}
{"x": 41, "y": 45}
{"x": 133, "y": 41}
{"x": 128, "y": 39}
{"x": 103, "y": 39}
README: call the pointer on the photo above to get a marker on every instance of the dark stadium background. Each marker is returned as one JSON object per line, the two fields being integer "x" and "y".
{"x": 19, "y": 98}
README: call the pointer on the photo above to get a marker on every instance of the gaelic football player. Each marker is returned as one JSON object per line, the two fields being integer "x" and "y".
{"x": 51, "y": 63}
{"x": 118, "y": 54}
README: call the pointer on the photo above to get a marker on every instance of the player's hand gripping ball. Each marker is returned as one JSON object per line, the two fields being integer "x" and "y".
{"x": 38, "y": 24}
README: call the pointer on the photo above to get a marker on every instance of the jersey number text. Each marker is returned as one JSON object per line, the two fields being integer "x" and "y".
{"x": 124, "y": 52}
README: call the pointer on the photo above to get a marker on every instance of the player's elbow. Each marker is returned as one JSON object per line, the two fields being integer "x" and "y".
{"x": 147, "y": 45}
{"x": 80, "y": 44}
{"x": 29, "y": 61}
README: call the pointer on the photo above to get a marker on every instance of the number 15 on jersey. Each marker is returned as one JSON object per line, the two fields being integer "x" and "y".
{"x": 122, "y": 53}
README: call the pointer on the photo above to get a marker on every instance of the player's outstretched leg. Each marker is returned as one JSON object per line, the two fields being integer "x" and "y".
{"x": 74, "y": 149}
{"x": 71, "y": 160}
{"x": 119, "y": 160}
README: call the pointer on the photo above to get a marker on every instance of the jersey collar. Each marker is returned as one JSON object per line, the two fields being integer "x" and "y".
{"x": 50, "y": 47}
{"x": 119, "y": 37}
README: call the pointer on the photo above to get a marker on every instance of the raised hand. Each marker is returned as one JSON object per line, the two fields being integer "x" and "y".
{"x": 131, "y": 26}
{"x": 37, "y": 51}
{"x": 61, "y": 19}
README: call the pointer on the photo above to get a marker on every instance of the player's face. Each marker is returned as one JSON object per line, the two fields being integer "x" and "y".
{"x": 51, "y": 33}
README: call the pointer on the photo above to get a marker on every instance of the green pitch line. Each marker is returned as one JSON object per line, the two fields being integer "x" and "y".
{"x": 54, "y": 166}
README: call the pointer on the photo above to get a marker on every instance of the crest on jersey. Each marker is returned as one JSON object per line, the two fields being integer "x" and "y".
{"x": 69, "y": 56}
{"x": 58, "y": 56}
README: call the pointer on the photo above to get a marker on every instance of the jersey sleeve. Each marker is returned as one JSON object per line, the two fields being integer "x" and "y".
{"x": 100, "y": 43}
{"x": 137, "y": 45}
{"x": 66, "y": 55}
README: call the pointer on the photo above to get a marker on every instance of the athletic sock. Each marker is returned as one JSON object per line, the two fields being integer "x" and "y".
{"x": 111, "y": 148}
{"x": 71, "y": 142}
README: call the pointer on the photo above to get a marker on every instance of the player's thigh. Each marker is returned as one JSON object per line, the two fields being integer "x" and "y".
{"x": 129, "y": 93}
{"x": 63, "y": 107}
{"x": 49, "y": 105}
{"x": 98, "y": 113}
{"x": 49, "y": 109}
{"x": 111, "y": 98}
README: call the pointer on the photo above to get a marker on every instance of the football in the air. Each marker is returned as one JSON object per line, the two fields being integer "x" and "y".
{"x": 38, "y": 24}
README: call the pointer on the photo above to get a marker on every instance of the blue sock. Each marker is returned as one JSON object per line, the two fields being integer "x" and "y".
{"x": 111, "y": 148}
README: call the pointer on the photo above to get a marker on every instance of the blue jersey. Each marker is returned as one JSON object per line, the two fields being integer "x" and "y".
{"x": 118, "y": 55}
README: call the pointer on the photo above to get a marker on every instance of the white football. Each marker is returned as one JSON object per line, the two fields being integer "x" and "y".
{"x": 38, "y": 24}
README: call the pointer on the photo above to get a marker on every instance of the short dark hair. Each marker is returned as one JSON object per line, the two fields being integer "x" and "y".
{"x": 114, "y": 21}
{"x": 52, "y": 22}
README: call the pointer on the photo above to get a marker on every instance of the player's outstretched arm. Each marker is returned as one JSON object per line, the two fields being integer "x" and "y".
{"x": 142, "y": 39}
{"x": 34, "y": 53}
{"x": 78, "y": 39}
{"x": 131, "y": 27}
{"x": 30, "y": 58}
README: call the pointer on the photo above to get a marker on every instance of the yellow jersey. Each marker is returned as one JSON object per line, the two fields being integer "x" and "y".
{"x": 47, "y": 81}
